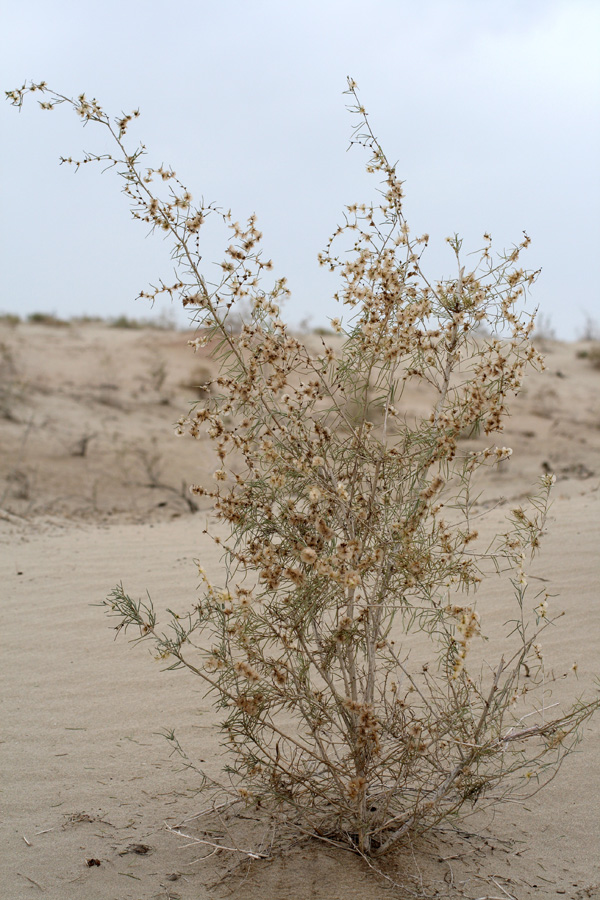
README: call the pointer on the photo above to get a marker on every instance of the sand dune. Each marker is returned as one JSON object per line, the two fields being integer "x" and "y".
{"x": 91, "y": 494}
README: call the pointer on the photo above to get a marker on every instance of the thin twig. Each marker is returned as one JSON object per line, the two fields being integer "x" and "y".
{"x": 32, "y": 881}
{"x": 511, "y": 896}
{"x": 194, "y": 840}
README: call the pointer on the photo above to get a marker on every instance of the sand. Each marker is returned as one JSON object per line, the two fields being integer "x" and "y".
{"x": 87, "y": 774}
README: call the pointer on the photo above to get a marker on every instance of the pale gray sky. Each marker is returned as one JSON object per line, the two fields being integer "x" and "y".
{"x": 491, "y": 108}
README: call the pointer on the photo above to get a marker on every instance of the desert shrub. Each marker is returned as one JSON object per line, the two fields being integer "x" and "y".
{"x": 125, "y": 322}
{"x": 87, "y": 320}
{"x": 162, "y": 322}
{"x": 343, "y": 641}
{"x": 544, "y": 331}
{"x": 10, "y": 319}
{"x": 12, "y": 387}
{"x": 157, "y": 373}
{"x": 49, "y": 319}
{"x": 199, "y": 381}
{"x": 590, "y": 330}
{"x": 592, "y": 354}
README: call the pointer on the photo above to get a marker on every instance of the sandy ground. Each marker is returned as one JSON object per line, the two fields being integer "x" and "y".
{"x": 87, "y": 774}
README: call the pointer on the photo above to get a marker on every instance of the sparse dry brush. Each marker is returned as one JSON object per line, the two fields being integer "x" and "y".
{"x": 343, "y": 641}
{"x": 11, "y": 385}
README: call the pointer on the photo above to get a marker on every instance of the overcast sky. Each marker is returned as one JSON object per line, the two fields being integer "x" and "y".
{"x": 490, "y": 107}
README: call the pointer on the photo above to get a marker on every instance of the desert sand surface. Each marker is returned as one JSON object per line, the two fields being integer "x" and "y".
{"x": 92, "y": 493}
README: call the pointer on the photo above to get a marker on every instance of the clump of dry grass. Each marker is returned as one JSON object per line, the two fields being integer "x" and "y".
{"x": 47, "y": 319}
{"x": 342, "y": 640}
{"x": 10, "y": 319}
{"x": 199, "y": 381}
{"x": 11, "y": 385}
{"x": 592, "y": 354}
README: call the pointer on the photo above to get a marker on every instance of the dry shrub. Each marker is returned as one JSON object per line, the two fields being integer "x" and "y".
{"x": 342, "y": 640}
{"x": 11, "y": 384}
{"x": 10, "y": 319}
{"x": 592, "y": 355}
{"x": 199, "y": 381}
{"x": 47, "y": 319}
{"x": 590, "y": 330}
